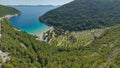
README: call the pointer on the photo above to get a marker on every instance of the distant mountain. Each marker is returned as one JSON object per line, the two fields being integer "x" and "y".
{"x": 32, "y": 5}
{"x": 84, "y": 15}
{"x": 5, "y": 10}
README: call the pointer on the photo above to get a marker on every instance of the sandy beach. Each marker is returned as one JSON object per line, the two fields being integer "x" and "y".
{"x": 8, "y": 16}
{"x": 40, "y": 35}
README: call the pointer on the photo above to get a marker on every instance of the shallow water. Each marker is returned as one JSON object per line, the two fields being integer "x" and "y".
{"x": 28, "y": 21}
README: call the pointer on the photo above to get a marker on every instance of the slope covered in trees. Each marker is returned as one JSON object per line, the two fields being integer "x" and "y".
{"x": 102, "y": 53}
{"x": 25, "y": 51}
{"x": 84, "y": 15}
{"x": 4, "y": 10}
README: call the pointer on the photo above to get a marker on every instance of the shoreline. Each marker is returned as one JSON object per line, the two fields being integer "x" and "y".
{"x": 41, "y": 34}
{"x": 8, "y": 16}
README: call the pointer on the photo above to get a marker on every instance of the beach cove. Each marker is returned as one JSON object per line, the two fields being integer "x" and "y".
{"x": 28, "y": 20}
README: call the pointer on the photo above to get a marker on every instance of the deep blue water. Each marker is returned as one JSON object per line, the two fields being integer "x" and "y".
{"x": 28, "y": 21}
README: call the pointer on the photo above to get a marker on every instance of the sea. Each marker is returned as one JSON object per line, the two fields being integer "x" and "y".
{"x": 28, "y": 20}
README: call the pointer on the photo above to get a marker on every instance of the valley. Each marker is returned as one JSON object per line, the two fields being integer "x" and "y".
{"x": 79, "y": 41}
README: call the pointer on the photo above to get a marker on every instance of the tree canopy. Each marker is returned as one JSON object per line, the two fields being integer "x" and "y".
{"x": 7, "y": 11}
{"x": 84, "y": 15}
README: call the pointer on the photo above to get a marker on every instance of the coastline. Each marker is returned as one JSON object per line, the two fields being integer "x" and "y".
{"x": 41, "y": 34}
{"x": 8, "y": 16}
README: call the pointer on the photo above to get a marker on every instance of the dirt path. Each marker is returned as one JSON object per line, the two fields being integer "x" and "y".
{"x": 61, "y": 41}
{"x": 89, "y": 42}
{"x": 114, "y": 53}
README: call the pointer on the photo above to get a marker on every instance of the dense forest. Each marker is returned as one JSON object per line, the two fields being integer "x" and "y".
{"x": 27, "y": 52}
{"x": 7, "y": 11}
{"x": 84, "y": 15}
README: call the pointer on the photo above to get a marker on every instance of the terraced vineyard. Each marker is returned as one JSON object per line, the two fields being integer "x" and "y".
{"x": 96, "y": 48}
{"x": 76, "y": 39}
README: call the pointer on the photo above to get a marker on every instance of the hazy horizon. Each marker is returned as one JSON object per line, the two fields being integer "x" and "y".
{"x": 34, "y": 2}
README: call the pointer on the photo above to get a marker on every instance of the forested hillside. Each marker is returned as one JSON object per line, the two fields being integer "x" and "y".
{"x": 7, "y": 11}
{"x": 25, "y": 51}
{"x": 97, "y": 48}
{"x": 84, "y": 15}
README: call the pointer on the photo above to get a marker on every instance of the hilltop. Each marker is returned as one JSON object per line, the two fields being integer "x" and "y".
{"x": 32, "y": 5}
{"x": 84, "y": 15}
{"x": 97, "y": 48}
{"x": 4, "y": 10}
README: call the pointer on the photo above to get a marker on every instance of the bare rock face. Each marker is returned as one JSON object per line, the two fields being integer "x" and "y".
{"x": 4, "y": 56}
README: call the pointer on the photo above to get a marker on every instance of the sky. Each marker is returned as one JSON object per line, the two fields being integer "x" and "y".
{"x": 34, "y": 2}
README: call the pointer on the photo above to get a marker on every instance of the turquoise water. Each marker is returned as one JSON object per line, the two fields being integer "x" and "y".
{"x": 28, "y": 21}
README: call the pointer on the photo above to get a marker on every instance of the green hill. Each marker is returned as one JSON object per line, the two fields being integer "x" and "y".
{"x": 84, "y": 15}
{"x": 27, "y": 52}
{"x": 4, "y": 10}
{"x": 101, "y": 53}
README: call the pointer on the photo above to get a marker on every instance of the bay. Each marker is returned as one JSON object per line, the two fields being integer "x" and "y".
{"x": 28, "y": 20}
